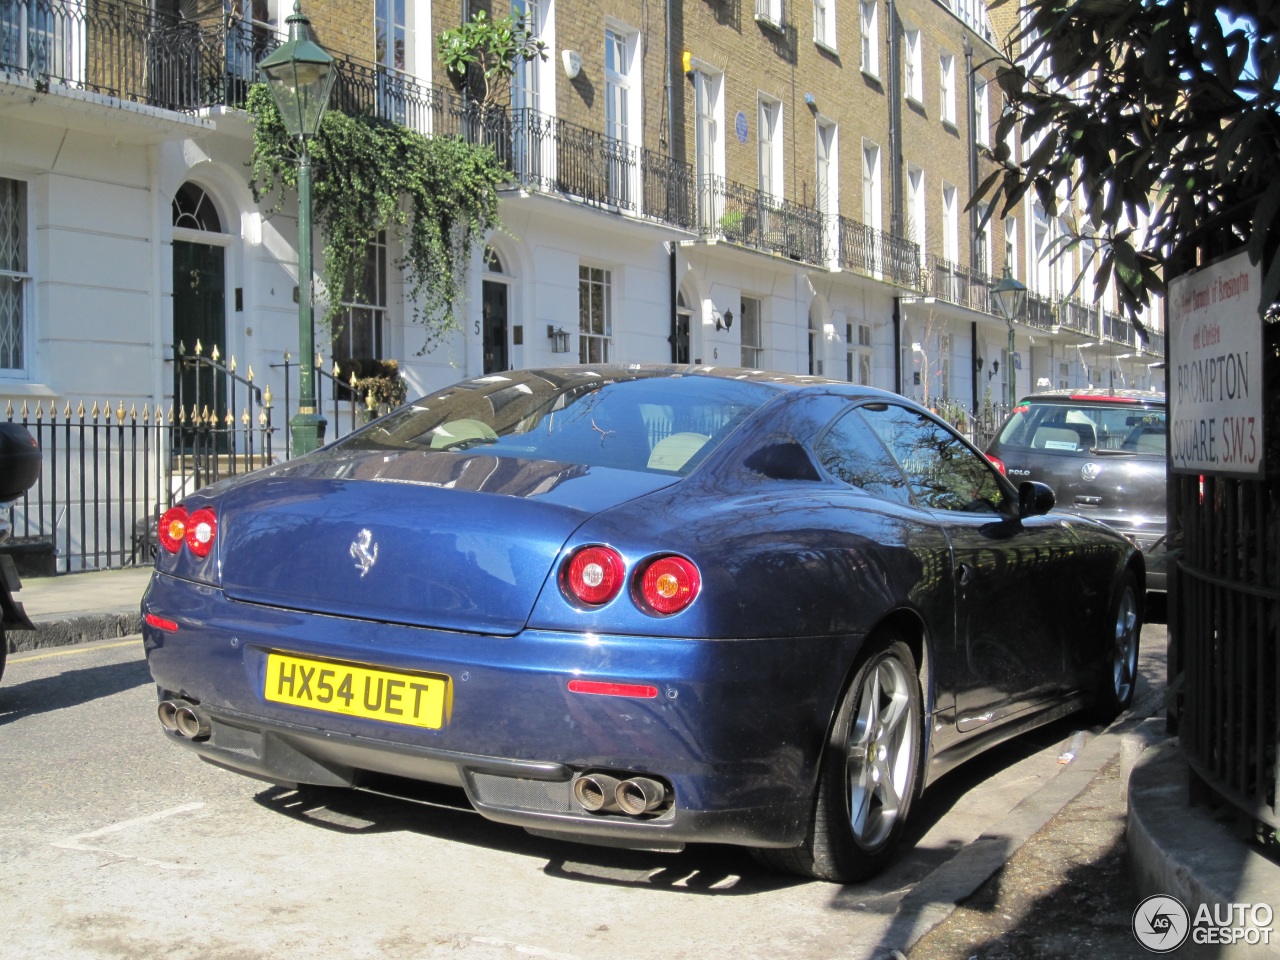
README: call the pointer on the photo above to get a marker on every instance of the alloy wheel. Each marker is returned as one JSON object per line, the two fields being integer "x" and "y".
{"x": 1124, "y": 648}
{"x": 880, "y": 753}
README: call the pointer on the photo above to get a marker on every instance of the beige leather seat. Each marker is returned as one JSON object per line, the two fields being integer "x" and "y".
{"x": 673, "y": 452}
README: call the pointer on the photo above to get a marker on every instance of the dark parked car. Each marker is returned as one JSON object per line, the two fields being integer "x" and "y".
{"x": 19, "y": 470}
{"x": 642, "y": 606}
{"x": 1103, "y": 453}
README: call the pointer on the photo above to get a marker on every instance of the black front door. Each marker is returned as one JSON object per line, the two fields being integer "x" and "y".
{"x": 199, "y": 316}
{"x": 495, "y": 327}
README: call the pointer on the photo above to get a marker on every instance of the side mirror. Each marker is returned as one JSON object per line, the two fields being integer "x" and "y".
{"x": 1035, "y": 499}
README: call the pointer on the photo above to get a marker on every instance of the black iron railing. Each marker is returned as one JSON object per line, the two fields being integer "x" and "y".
{"x": 953, "y": 283}
{"x": 111, "y": 469}
{"x": 1228, "y": 608}
{"x": 876, "y": 253}
{"x": 753, "y": 218}
{"x": 107, "y": 475}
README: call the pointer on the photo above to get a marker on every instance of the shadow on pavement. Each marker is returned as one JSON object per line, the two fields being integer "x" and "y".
{"x": 704, "y": 868}
{"x": 69, "y": 688}
{"x": 443, "y": 812}
{"x": 1066, "y": 893}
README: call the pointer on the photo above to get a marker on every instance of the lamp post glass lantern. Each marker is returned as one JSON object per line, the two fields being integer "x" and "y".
{"x": 1010, "y": 298}
{"x": 300, "y": 75}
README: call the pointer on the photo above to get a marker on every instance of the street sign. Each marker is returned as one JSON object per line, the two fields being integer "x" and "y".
{"x": 1215, "y": 375}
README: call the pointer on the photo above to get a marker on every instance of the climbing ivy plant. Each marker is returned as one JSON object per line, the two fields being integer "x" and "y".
{"x": 438, "y": 195}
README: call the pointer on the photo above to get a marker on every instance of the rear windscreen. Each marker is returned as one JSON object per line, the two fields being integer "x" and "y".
{"x": 639, "y": 421}
{"x": 1086, "y": 427}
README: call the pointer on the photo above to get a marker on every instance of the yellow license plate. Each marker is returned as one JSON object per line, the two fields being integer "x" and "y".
{"x": 414, "y": 699}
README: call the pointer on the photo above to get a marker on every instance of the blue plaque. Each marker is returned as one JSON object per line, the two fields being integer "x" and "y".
{"x": 740, "y": 125}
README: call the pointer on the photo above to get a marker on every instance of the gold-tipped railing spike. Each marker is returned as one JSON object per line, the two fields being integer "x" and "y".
{"x": 319, "y": 361}
{"x": 182, "y": 348}
{"x": 66, "y": 414}
{"x": 215, "y": 355}
{"x": 229, "y": 420}
{"x": 244, "y": 419}
{"x": 40, "y": 411}
{"x": 232, "y": 365}
{"x": 249, "y": 376}
{"x": 262, "y": 419}
{"x": 354, "y": 381}
{"x": 8, "y": 409}
{"x": 337, "y": 371}
{"x": 199, "y": 348}
{"x": 206, "y": 416}
{"x": 133, "y": 412}
{"x": 287, "y": 356}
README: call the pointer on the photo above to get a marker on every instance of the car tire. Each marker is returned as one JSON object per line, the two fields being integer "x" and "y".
{"x": 869, "y": 773}
{"x": 1118, "y": 671}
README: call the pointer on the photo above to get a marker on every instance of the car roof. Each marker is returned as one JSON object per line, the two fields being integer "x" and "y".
{"x": 773, "y": 378}
{"x": 1095, "y": 395}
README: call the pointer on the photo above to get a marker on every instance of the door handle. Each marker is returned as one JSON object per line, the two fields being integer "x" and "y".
{"x": 964, "y": 575}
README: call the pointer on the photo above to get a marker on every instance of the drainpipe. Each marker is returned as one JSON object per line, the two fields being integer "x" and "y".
{"x": 975, "y": 250}
{"x": 895, "y": 122}
{"x": 675, "y": 316}
{"x": 971, "y": 95}
{"x": 667, "y": 85}
{"x": 897, "y": 344}
{"x": 896, "y": 220}
{"x": 973, "y": 362}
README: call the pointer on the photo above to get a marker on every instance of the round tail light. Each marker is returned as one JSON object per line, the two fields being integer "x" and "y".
{"x": 173, "y": 529}
{"x": 594, "y": 575}
{"x": 669, "y": 584}
{"x": 202, "y": 527}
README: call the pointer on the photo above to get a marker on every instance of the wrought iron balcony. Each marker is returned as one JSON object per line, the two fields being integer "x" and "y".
{"x": 953, "y": 283}
{"x": 118, "y": 49}
{"x": 877, "y": 254}
{"x": 753, "y": 218}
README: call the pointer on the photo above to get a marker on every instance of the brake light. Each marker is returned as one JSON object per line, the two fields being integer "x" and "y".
{"x": 593, "y": 575}
{"x": 202, "y": 527}
{"x": 173, "y": 529}
{"x": 998, "y": 464}
{"x": 669, "y": 584}
{"x": 1105, "y": 397}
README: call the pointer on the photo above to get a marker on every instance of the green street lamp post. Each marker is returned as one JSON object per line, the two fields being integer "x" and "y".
{"x": 300, "y": 75}
{"x": 1010, "y": 297}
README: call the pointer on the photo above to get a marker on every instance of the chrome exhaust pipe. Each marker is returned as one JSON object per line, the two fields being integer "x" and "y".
{"x": 168, "y": 714}
{"x": 596, "y": 792}
{"x": 192, "y": 723}
{"x": 640, "y": 795}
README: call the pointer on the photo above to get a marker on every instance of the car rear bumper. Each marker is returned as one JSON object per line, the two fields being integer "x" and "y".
{"x": 735, "y": 731}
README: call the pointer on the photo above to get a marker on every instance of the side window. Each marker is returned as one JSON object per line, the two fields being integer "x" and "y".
{"x": 942, "y": 472}
{"x": 851, "y": 452}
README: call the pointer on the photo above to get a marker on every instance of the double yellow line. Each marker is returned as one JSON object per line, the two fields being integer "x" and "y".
{"x": 76, "y": 648}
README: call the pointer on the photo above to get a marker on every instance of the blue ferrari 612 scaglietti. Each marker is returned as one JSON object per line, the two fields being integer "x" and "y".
{"x": 639, "y": 605}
